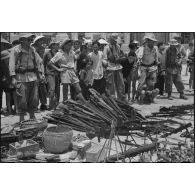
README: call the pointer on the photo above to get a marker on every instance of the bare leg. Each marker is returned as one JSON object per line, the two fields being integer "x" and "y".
{"x": 129, "y": 87}
{"x": 142, "y": 96}
{"x": 78, "y": 92}
{"x": 21, "y": 117}
{"x": 15, "y": 102}
{"x": 8, "y": 102}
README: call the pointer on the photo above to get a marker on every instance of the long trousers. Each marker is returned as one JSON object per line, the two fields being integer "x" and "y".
{"x": 28, "y": 100}
{"x": 176, "y": 80}
{"x": 42, "y": 93}
{"x": 160, "y": 84}
{"x": 115, "y": 84}
{"x": 53, "y": 83}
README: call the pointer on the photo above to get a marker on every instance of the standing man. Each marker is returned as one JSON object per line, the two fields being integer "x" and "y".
{"x": 147, "y": 56}
{"x": 65, "y": 58}
{"x": 114, "y": 76}
{"x": 52, "y": 75}
{"x": 96, "y": 57}
{"x": 181, "y": 50}
{"x": 160, "y": 84}
{"x": 25, "y": 70}
{"x": 38, "y": 45}
{"x": 173, "y": 70}
{"x": 191, "y": 66}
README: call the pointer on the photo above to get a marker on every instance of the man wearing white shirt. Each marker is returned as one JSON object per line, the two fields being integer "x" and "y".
{"x": 98, "y": 73}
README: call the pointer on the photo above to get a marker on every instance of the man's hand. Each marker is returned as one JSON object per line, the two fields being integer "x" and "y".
{"x": 163, "y": 73}
{"x": 61, "y": 69}
{"x": 42, "y": 78}
{"x": 14, "y": 82}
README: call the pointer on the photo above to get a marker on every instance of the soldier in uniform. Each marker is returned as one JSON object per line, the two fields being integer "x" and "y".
{"x": 25, "y": 70}
{"x": 147, "y": 56}
{"x": 173, "y": 70}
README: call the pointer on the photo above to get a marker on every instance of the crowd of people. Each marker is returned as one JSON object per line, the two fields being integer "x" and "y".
{"x": 32, "y": 71}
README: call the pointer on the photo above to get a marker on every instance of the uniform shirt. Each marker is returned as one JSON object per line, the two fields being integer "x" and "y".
{"x": 149, "y": 56}
{"x": 19, "y": 57}
{"x": 97, "y": 64}
{"x": 161, "y": 59}
{"x": 63, "y": 58}
{"x": 108, "y": 53}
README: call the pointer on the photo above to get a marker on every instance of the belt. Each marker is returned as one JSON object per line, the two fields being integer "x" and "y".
{"x": 22, "y": 71}
{"x": 150, "y": 65}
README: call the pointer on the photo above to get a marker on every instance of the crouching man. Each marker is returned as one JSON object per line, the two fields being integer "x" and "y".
{"x": 25, "y": 70}
{"x": 147, "y": 93}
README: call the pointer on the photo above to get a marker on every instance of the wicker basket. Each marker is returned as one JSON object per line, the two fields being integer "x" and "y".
{"x": 57, "y": 139}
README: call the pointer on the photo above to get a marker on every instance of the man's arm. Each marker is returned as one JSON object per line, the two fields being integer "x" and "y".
{"x": 105, "y": 57}
{"x": 54, "y": 60}
{"x": 12, "y": 66}
{"x": 12, "y": 63}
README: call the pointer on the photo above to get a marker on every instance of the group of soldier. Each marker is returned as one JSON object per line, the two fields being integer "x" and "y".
{"x": 37, "y": 70}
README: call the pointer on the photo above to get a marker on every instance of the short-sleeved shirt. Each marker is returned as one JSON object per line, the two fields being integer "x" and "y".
{"x": 68, "y": 76}
{"x": 63, "y": 58}
{"x": 19, "y": 57}
{"x": 97, "y": 64}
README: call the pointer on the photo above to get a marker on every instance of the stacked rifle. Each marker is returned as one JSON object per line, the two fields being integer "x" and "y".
{"x": 96, "y": 115}
{"x": 173, "y": 111}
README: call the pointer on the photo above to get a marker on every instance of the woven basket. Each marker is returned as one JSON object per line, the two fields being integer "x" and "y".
{"x": 40, "y": 124}
{"x": 57, "y": 139}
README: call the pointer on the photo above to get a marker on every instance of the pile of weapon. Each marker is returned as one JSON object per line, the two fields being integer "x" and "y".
{"x": 173, "y": 111}
{"x": 96, "y": 115}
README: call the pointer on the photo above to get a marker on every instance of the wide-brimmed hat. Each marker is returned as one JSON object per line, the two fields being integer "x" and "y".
{"x": 15, "y": 42}
{"x": 54, "y": 42}
{"x": 150, "y": 37}
{"x": 5, "y": 44}
{"x": 135, "y": 42}
{"x": 38, "y": 38}
{"x": 65, "y": 42}
{"x": 114, "y": 36}
{"x": 26, "y": 36}
{"x": 173, "y": 42}
{"x": 103, "y": 41}
{"x": 5, "y": 54}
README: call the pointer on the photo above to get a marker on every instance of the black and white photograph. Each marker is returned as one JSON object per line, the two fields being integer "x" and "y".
{"x": 97, "y": 97}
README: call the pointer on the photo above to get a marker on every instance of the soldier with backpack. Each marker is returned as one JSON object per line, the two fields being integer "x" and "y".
{"x": 25, "y": 71}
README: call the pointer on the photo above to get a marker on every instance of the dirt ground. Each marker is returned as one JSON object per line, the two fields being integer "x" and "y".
{"x": 144, "y": 109}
